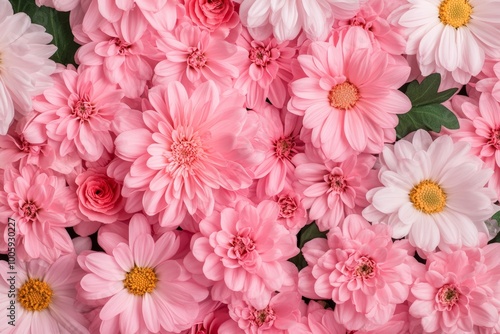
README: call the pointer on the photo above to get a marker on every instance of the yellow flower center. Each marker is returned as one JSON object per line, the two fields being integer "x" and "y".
{"x": 343, "y": 96}
{"x": 140, "y": 280}
{"x": 35, "y": 295}
{"x": 456, "y": 13}
{"x": 428, "y": 197}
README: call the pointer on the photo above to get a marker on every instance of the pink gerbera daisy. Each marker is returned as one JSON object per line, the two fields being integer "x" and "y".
{"x": 433, "y": 192}
{"x": 140, "y": 284}
{"x": 349, "y": 97}
{"x": 45, "y": 297}
{"x": 189, "y": 148}
{"x": 452, "y": 35}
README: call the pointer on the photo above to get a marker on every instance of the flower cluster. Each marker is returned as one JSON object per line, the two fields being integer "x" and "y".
{"x": 219, "y": 166}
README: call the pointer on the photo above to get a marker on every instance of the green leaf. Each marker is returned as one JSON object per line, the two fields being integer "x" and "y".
{"x": 56, "y": 23}
{"x": 427, "y": 112}
{"x": 496, "y": 217}
{"x": 308, "y": 233}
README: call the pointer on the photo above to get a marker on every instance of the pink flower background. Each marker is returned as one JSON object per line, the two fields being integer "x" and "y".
{"x": 219, "y": 166}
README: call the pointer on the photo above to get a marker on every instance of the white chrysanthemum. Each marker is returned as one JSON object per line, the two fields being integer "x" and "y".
{"x": 25, "y": 67}
{"x": 285, "y": 18}
{"x": 452, "y": 35}
{"x": 433, "y": 192}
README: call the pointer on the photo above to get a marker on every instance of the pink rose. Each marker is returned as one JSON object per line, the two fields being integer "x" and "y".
{"x": 99, "y": 196}
{"x": 212, "y": 14}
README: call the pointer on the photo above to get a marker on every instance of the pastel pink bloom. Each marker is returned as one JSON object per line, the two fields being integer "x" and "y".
{"x": 124, "y": 50}
{"x": 280, "y": 316}
{"x": 194, "y": 56}
{"x": 212, "y": 322}
{"x": 215, "y": 16}
{"x": 349, "y": 96}
{"x": 285, "y": 19}
{"x": 452, "y": 36}
{"x": 189, "y": 148}
{"x": 24, "y": 65}
{"x": 361, "y": 269}
{"x": 459, "y": 291}
{"x": 60, "y": 5}
{"x": 142, "y": 287}
{"x": 373, "y": 19}
{"x": 243, "y": 250}
{"x": 480, "y": 126}
{"x": 42, "y": 206}
{"x": 333, "y": 190}
{"x": 45, "y": 297}
{"x": 279, "y": 133}
{"x": 491, "y": 84}
{"x": 79, "y": 111}
{"x": 99, "y": 196}
{"x": 423, "y": 195}
{"x": 113, "y": 10}
{"x": 20, "y": 146}
{"x": 320, "y": 320}
{"x": 292, "y": 214}
{"x": 266, "y": 72}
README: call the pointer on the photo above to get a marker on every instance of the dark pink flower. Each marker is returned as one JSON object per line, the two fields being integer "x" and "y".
{"x": 212, "y": 14}
{"x": 99, "y": 196}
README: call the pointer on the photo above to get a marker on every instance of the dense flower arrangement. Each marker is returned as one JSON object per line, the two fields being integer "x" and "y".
{"x": 252, "y": 166}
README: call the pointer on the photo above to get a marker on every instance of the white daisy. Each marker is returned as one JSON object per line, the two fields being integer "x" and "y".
{"x": 452, "y": 35}
{"x": 433, "y": 192}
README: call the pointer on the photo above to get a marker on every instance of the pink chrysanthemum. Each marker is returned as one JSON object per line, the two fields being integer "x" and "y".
{"x": 280, "y": 316}
{"x": 332, "y": 190}
{"x": 188, "y": 149}
{"x": 143, "y": 289}
{"x": 243, "y": 249}
{"x": 459, "y": 291}
{"x": 42, "y": 206}
{"x": 79, "y": 112}
{"x": 349, "y": 97}
{"x": 361, "y": 269}
{"x": 433, "y": 192}
{"x": 285, "y": 19}
{"x": 194, "y": 56}
{"x": 279, "y": 133}
{"x": 25, "y": 67}
{"x": 372, "y": 20}
{"x": 266, "y": 72}
{"x": 45, "y": 297}
{"x": 452, "y": 35}
{"x": 480, "y": 126}
{"x": 491, "y": 84}
{"x": 319, "y": 320}
{"x": 125, "y": 51}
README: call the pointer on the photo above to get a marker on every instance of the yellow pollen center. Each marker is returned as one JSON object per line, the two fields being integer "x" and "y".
{"x": 455, "y": 13}
{"x": 343, "y": 96}
{"x": 428, "y": 197}
{"x": 35, "y": 295}
{"x": 140, "y": 280}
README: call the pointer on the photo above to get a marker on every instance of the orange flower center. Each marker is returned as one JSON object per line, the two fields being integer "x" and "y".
{"x": 343, "y": 96}
{"x": 35, "y": 295}
{"x": 428, "y": 197}
{"x": 140, "y": 280}
{"x": 455, "y": 13}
